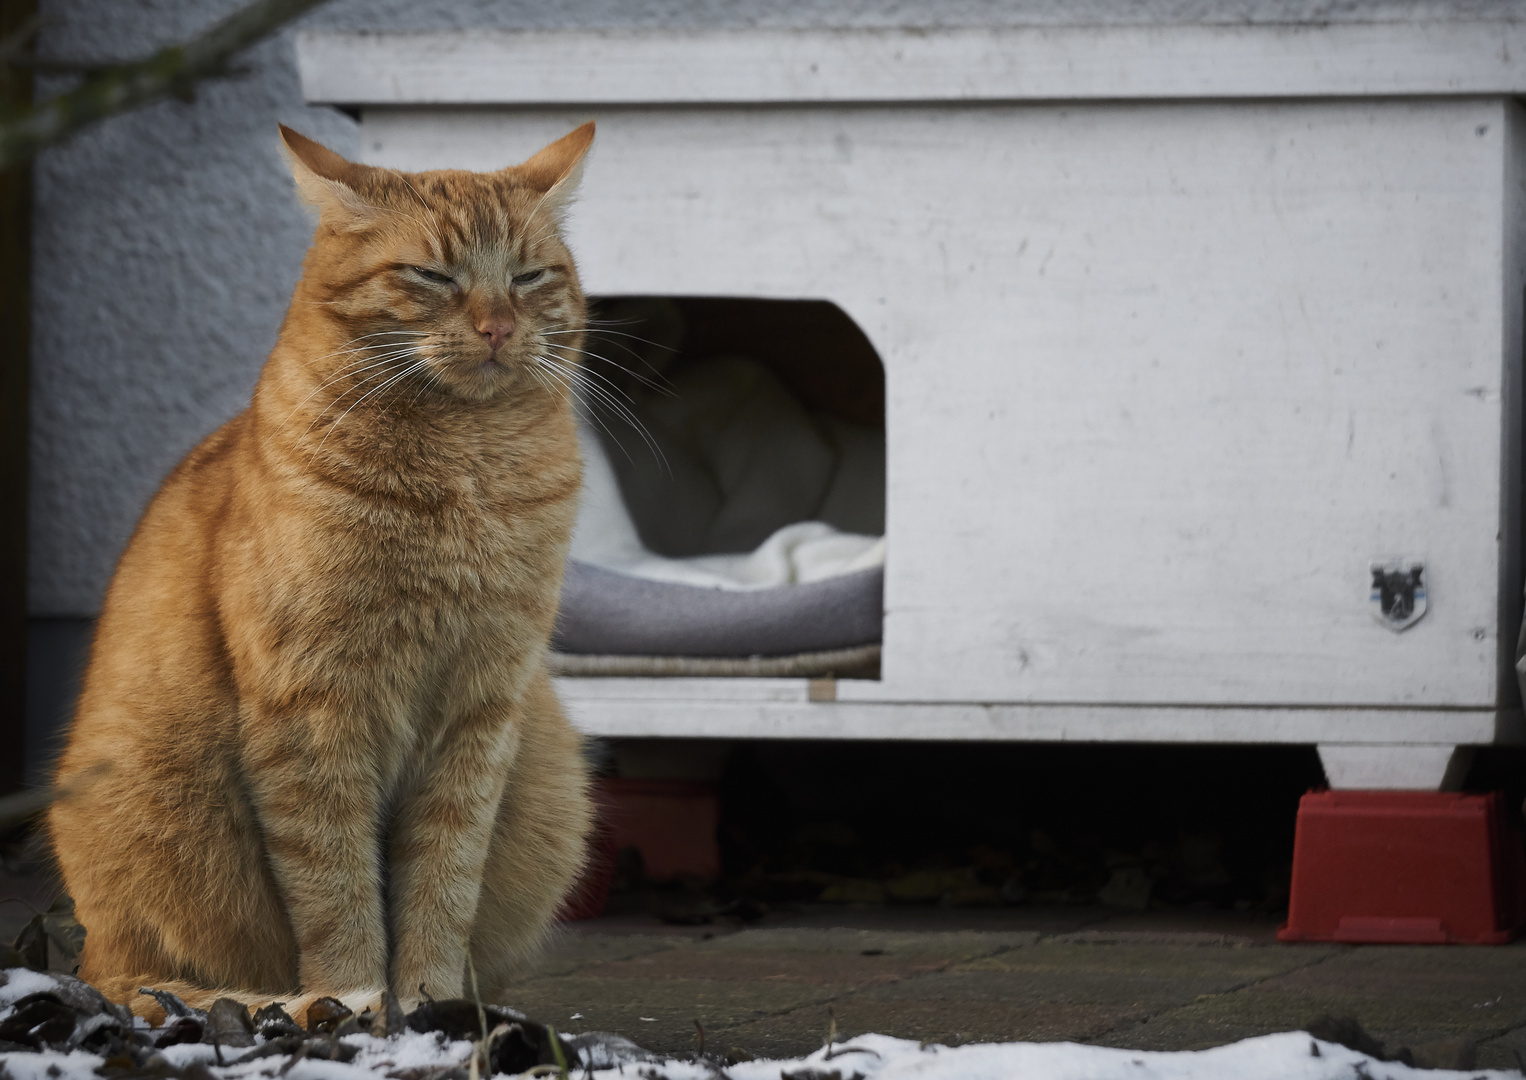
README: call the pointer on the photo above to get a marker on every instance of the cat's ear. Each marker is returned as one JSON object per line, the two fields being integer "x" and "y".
{"x": 556, "y": 170}
{"x": 328, "y": 182}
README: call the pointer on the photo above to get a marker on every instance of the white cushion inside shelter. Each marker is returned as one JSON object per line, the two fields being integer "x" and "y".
{"x": 735, "y": 412}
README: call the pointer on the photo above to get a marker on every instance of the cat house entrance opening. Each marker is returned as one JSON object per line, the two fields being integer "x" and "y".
{"x": 733, "y": 510}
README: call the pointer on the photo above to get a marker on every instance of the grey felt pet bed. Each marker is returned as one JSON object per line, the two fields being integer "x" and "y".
{"x": 604, "y": 612}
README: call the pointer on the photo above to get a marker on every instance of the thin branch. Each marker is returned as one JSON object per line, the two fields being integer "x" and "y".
{"x": 14, "y": 46}
{"x": 120, "y": 87}
{"x": 16, "y": 808}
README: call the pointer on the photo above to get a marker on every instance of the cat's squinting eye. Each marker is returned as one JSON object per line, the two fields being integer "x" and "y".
{"x": 432, "y": 275}
{"x": 527, "y": 277}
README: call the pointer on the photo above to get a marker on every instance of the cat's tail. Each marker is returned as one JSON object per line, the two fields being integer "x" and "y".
{"x": 128, "y": 990}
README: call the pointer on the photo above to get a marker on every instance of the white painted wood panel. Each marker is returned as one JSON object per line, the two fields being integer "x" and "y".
{"x": 1011, "y": 63}
{"x": 710, "y": 708}
{"x": 1162, "y": 379}
{"x": 1395, "y": 766}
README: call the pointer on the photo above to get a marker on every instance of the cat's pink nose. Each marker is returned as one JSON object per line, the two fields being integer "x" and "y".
{"x": 496, "y": 330}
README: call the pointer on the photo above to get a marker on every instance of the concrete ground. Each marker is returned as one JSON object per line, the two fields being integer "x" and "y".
{"x": 1157, "y": 981}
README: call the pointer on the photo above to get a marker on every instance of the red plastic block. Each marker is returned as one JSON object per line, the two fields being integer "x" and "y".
{"x": 1418, "y": 867}
{"x": 671, "y": 822}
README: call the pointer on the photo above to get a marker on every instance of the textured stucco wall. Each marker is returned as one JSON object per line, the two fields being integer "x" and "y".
{"x": 166, "y": 241}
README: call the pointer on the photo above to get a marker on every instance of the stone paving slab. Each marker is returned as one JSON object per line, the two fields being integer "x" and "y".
{"x": 1151, "y": 980}
{"x": 783, "y": 976}
{"x": 1057, "y": 991}
{"x": 659, "y": 1013}
{"x": 1151, "y": 964}
{"x": 1254, "y": 928}
{"x": 1403, "y": 995}
{"x": 570, "y": 952}
{"x": 920, "y": 919}
{"x": 1506, "y": 1052}
{"x": 946, "y": 946}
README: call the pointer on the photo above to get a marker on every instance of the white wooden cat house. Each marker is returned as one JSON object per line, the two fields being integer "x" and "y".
{"x": 1201, "y": 345}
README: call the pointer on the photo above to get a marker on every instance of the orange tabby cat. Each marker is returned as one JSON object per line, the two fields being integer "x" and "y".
{"x": 317, "y": 750}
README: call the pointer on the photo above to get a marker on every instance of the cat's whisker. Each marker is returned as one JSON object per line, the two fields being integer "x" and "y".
{"x": 335, "y": 425}
{"x": 592, "y": 328}
{"x": 597, "y": 326}
{"x": 555, "y": 391}
{"x": 348, "y": 372}
{"x": 343, "y": 349}
{"x": 550, "y": 226}
{"x": 367, "y": 352}
{"x": 370, "y": 363}
{"x": 432, "y": 381}
{"x": 428, "y": 230}
{"x": 584, "y": 371}
{"x": 651, "y": 384}
{"x": 572, "y": 325}
{"x": 415, "y": 191}
{"x": 567, "y": 391}
{"x": 439, "y": 248}
{"x": 603, "y": 397}
{"x": 581, "y": 376}
{"x": 385, "y": 365}
{"x": 366, "y": 363}
{"x": 385, "y": 333}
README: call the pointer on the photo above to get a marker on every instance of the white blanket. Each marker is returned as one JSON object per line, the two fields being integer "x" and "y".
{"x": 805, "y": 551}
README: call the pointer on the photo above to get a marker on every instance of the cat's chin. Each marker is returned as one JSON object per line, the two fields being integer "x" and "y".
{"x": 478, "y": 380}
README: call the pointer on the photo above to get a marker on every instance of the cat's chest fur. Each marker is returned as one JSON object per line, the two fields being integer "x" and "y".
{"x": 472, "y": 533}
{"x": 432, "y": 571}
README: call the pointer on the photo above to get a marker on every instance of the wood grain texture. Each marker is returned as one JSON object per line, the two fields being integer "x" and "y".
{"x": 988, "y": 64}
{"x": 743, "y": 709}
{"x": 1395, "y": 767}
{"x": 1161, "y": 379}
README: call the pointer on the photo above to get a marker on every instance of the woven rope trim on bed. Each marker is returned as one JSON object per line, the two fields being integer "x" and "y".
{"x": 800, "y": 665}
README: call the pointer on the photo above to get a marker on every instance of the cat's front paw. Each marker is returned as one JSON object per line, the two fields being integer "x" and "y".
{"x": 357, "y": 1001}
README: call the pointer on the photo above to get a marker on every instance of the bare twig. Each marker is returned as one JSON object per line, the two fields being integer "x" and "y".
{"x": 295, "y": 1058}
{"x": 556, "y": 1051}
{"x": 16, "y": 808}
{"x": 482, "y": 1048}
{"x": 120, "y": 87}
{"x": 14, "y": 46}
{"x": 23, "y": 804}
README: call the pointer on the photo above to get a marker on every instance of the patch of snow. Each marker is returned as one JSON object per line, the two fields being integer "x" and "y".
{"x": 408, "y": 1050}
{"x": 50, "y": 1064}
{"x": 1288, "y": 1056}
{"x": 182, "y": 1054}
{"x": 318, "y": 1069}
{"x": 21, "y": 982}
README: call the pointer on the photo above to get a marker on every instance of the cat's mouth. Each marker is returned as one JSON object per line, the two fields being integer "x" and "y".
{"x": 476, "y": 376}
